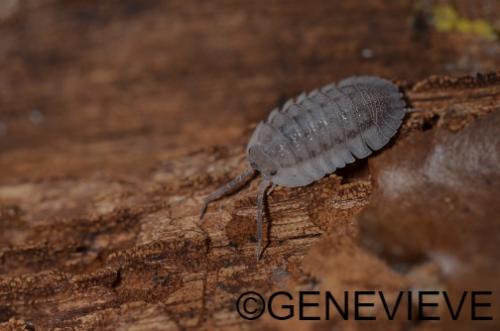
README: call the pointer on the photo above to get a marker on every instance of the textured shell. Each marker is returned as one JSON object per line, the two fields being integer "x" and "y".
{"x": 326, "y": 129}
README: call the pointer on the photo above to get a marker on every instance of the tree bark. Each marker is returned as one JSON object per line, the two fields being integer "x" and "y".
{"x": 112, "y": 144}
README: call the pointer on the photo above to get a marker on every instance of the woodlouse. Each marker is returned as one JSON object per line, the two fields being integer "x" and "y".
{"x": 316, "y": 133}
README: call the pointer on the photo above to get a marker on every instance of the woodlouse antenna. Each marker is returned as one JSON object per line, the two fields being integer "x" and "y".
{"x": 229, "y": 188}
{"x": 261, "y": 205}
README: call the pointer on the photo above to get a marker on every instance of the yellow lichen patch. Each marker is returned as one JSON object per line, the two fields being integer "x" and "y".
{"x": 447, "y": 19}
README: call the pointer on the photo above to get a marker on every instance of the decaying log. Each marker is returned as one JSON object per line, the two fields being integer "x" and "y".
{"x": 141, "y": 258}
{"x": 117, "y": 118}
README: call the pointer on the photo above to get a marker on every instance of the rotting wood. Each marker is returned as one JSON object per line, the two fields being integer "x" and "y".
{"x": 148, "y": 260}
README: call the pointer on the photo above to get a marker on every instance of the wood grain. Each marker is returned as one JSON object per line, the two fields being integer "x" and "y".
{"x": 119, "y": 117}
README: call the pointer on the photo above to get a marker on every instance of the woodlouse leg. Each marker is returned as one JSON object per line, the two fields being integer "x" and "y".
{"x": 271, "y": 189}
{"x": 260, "y": 214}
{"x": 412, "y": 110}
{"x": 229, "y": 188}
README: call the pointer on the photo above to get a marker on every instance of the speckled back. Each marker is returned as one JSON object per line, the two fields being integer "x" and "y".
{"x": 319, "y": 132}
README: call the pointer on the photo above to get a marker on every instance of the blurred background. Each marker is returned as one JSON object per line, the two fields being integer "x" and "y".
{"x": 81, "y": 71}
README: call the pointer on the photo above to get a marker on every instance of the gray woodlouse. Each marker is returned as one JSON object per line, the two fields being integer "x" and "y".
{"x": 316, "y": 133}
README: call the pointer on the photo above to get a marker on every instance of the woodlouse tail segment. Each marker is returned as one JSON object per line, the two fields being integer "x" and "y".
{"x": 227, "y": 189}
{"x": 261, "y": 205}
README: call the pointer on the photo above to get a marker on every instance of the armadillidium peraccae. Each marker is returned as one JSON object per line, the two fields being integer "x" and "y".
{"x": 316, "y": 133}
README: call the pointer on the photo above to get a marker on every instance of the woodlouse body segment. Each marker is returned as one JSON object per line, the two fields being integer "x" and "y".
{"x": 316, "y": 133}
{"x": 326, "y": 129}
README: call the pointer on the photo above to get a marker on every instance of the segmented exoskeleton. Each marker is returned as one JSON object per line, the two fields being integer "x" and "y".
{"x": 316, "y": 133}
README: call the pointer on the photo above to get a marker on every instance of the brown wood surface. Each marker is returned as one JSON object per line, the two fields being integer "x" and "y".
{"x": 117, "y": 118}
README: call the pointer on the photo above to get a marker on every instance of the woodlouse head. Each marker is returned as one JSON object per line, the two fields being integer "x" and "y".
{"x": 262, "y": 162}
